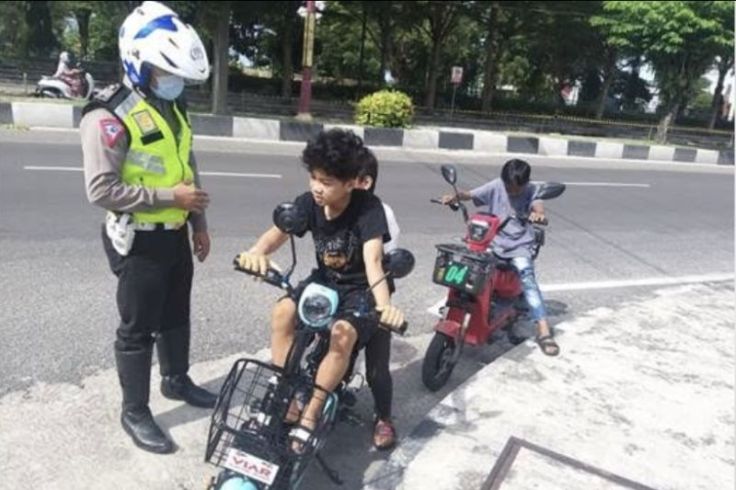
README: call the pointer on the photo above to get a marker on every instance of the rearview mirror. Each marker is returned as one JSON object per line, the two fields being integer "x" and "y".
{"x": 399, "y": 262}
{"x": 290, "y": 218}
{"x": 449, "y": 173}
{"x": 549, "y": 190}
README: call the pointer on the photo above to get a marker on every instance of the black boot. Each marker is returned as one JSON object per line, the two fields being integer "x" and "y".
{"x": 134, "y": 371}
{"x": 173, "y": 356}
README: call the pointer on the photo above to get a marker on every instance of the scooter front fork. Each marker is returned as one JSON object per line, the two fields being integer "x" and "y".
{"x": 460, "y": 339}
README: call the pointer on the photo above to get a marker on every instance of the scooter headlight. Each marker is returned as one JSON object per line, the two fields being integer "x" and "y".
{"x": 317, "y": 305}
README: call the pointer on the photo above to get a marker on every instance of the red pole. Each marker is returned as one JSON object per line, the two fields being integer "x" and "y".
{"x": 305, "y": 93}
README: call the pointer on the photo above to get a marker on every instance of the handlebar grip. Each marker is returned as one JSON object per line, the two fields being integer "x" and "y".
{"x": 452, "y": 205}
{"x": 401, "y": 330}
{"x": 272, "y": 276}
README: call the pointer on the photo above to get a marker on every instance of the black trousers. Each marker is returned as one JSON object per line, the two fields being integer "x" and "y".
{"x": 153, "y": 295}
{"x": 378, "y": 374}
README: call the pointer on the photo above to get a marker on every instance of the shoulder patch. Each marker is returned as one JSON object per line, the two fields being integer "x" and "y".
{"x": 111, "y": 130}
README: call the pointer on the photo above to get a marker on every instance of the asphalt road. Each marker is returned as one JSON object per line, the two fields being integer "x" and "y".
{"x": 617, "y": 223}
{"x": 58, "y": 314}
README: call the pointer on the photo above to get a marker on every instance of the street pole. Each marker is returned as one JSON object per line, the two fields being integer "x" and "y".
{"x": 452, "y": 107}
{"x": 305, "y": 93}
{"x": 362, "y": 50}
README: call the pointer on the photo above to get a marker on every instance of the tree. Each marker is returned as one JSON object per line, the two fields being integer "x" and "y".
{"x": 724, "y": 62}
{"x": 104, "y": 25}
{"x": 678, "y": 39}
{"x": 219, "y": 27}
{"x": 493, "y": 45}
{"x": 41, "y": 41}
{"x": 13, "y": 29}
{"x": 439, "y": 19}
{"x": 267, "y": 33}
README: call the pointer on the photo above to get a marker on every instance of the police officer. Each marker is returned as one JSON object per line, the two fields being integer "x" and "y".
{"x": 137, "y": 141}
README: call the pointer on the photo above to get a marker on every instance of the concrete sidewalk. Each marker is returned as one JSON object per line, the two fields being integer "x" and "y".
{"x": 641, "y": 397}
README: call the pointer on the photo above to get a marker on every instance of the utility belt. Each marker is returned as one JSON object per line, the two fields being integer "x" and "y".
{"x": 121, "y": 229}
{"x": 158, "y": 226}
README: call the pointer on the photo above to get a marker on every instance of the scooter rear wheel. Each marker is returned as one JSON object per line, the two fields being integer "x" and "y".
{"x": 438, "y": 363}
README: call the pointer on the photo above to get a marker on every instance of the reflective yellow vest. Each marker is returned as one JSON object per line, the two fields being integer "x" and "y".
{"x": 154, "y": 158}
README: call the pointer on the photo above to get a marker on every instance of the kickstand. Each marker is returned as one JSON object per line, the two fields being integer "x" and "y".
{"x": 333, "y": 475}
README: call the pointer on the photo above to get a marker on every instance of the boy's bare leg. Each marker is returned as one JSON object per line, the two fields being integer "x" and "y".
{"x": 283, "y": 324}
{"x": 332, "y": 369}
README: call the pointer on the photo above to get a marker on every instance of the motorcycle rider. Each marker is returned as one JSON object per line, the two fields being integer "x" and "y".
{"x": 67, "y": 64}
{"x": 511, "y": 194}
{"x": 348, "y": 226}
{"x": 68, "y": 71}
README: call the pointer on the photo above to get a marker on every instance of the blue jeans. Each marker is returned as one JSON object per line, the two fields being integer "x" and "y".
{"x": 524, "y": 266}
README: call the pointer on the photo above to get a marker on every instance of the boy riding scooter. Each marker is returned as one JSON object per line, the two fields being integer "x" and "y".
{"x": 507, "y": 196}
{"x": 349, "y": 228}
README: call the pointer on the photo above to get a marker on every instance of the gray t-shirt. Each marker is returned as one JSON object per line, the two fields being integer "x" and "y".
{"x": 516, "y": 237}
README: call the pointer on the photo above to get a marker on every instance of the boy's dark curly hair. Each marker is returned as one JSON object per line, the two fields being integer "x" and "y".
{"x": 337, "y": 152}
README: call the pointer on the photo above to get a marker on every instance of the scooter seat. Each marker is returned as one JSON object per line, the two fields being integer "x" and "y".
{"x": 503, "y": 264}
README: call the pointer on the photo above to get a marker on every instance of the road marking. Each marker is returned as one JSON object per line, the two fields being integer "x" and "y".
{"x": 235, "y": 174}
{"x": 623, "y": 283}
{"x": 605, "y": 184}
{"x": 649, "y": 281}
{"x": 214, "y": 174}
{"x": 56, "y": 169}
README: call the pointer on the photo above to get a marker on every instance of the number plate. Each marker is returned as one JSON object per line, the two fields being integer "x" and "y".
{"x": 251, "y": 466}
{"x": 455, "y": 274}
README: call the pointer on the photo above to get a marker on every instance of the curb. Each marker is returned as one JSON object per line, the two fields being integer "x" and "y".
{"x": 66, "y": 116}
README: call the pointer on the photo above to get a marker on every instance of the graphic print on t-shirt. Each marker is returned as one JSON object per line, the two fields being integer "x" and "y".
{"x": 337, "y": 251}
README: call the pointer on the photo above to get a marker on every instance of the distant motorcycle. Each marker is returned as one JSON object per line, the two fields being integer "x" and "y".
{"x": 76, "y": 84}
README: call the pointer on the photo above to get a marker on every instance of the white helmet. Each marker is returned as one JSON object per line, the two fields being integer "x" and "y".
{"x": 153, "y": 35}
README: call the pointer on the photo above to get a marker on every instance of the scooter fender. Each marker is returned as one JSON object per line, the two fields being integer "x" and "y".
{"x": 450, "y": 328}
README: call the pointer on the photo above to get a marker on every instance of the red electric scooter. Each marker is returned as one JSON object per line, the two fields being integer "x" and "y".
{"x": 485, "y": 293}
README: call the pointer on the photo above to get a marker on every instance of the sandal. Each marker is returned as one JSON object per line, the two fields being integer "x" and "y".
{"x": 548, "y": 345}
{"x": 299, "y": 436}
{"x": 384, "y": 435}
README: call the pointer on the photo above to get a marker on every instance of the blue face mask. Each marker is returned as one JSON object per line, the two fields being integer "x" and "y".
{"x": 168, "y": 87}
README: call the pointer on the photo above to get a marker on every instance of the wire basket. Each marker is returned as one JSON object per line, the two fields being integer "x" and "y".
{"x": 247, "y": 432}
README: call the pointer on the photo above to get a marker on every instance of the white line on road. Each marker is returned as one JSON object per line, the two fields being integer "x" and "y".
{"x": 650, "y": 281}
{"x": 215, "y": 174}
{"x": 600, "y": 184}
{"x": 623, "y": 283}
{"x": 56, "y": 169}
{"x": 234, "y": 174}
{"x": 605, "y": 184}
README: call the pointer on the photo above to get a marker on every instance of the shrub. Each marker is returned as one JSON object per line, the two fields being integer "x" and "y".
{"x": 385, "y": 109}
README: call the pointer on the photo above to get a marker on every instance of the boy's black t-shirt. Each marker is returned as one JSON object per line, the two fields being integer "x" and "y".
{"x": 338, "y": 243}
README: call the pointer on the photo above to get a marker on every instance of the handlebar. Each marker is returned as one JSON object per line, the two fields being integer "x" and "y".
{"x": 272, "y": 276}
{"x": 275, "y": 278}
{"x": 373, "y": 315}
{"x": 452, "y": 205}
{"x": 401, "y": 330}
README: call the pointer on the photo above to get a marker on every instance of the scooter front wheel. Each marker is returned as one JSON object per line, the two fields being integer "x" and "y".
{"x": 438, "y": 361}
